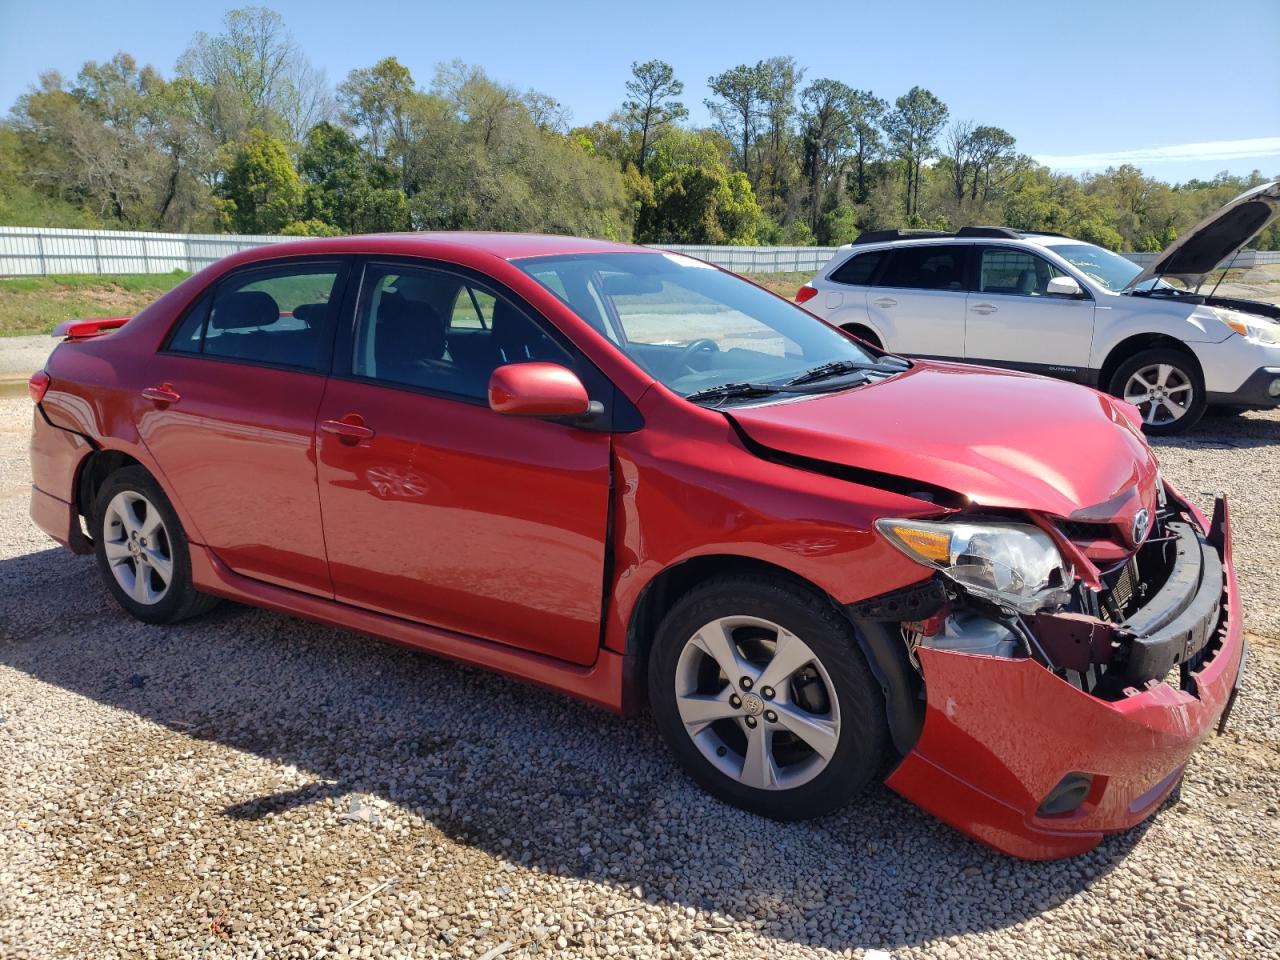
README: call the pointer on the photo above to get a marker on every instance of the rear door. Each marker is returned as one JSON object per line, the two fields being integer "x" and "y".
{"x": 918, "y": 301}
{"x": 229, "y": 415}
{"x": 439, "y": 510}
{"x": 1011, "y": 320}
{"x": 845, "y": 289}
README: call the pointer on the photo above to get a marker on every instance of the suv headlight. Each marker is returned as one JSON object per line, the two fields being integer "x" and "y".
{"x": 1014, "y": 564}
{"x": 1259, "y": 331}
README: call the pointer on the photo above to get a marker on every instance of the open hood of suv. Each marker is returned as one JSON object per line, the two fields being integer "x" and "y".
{"x": 1003, "y": 439}
{"x": 1217, "y": 237}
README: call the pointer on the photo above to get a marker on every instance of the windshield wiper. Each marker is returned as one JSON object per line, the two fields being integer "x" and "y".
{"x": 838, "y": 368}
{"x": 727, "y": 391}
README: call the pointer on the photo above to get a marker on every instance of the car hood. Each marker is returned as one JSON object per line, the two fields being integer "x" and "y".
{"x": 1000, "y": 438}
{"x": 1217, "y": 238}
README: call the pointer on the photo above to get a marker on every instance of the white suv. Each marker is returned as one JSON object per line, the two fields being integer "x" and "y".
{"x": 1053, "y": 305}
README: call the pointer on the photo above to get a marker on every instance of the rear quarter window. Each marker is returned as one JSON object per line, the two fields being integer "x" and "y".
{"x": 859, "y": 270}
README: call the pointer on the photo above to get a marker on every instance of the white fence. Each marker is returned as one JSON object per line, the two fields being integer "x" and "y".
{"x": 38, "y": 251}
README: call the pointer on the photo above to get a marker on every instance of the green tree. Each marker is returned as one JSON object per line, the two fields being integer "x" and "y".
{"x": 913, "y": 127}
{"x": 375, "y": 100}
{"x": 261, "y": 186}
{"x": 695, "y": 199}
{"x": 652, "y": 106}
{"x": 738, "y": 109}
{"x": 347, "y": 188}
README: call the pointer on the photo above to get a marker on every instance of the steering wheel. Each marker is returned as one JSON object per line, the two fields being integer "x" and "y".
{"x": 700, "y": 345}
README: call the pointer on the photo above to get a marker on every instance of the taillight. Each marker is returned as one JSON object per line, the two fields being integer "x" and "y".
{"x": 38, "y": 385}
{"x": 805, "y": 294}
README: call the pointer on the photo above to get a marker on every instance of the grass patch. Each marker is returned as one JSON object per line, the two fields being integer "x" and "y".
{"x": 783, "y": 284}
{"x": 35, "y": 305}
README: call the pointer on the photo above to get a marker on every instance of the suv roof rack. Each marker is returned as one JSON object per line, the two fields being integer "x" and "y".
{"x": 881, "y": 236}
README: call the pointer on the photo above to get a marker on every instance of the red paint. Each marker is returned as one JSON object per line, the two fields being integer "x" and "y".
{"x": 536, "y": 390}
{"x": 526, "y": 545}
{"x": 38, "y": 385}
{"x": 84, "y": 329}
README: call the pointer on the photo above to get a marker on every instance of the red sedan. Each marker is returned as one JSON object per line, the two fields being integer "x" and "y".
{"x": 638, "y": 479}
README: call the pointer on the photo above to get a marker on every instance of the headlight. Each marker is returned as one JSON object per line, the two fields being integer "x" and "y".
{"x": 1259, "y": 331}
{"x": 1014, "y": 564}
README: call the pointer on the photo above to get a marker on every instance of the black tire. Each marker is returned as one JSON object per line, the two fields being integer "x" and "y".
{"x": 862, "y": 743}
{"x": 1187, "y": 370}
{"x": 179, "y": 600}
{"x": 863, "y": 333}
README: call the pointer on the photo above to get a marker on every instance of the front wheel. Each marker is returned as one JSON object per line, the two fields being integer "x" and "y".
{"x": 142, "y": 550}
{"x": 760, "y": 690}
{"x": 1166, "y": 387}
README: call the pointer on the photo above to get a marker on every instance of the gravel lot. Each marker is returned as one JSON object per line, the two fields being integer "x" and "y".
{"x": 252, "y": 785}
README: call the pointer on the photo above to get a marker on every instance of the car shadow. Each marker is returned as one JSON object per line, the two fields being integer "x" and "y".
{"x": 376, "y": 731}
{"x": 1242, "y": 431}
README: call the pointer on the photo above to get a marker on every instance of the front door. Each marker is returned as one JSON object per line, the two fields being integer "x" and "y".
{"x": 918, "y": 300}
{"x": 439, "y": 510}
{"x": 229, "y": 413}
{"x": 1011, "y": 320}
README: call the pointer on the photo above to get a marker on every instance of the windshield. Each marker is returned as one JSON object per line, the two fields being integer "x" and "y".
{"x": 1102, "y": 266}
{"x": 690, "y": 325}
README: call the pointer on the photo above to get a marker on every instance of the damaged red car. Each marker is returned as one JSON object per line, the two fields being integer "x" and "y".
{"x": 641, "y": 480}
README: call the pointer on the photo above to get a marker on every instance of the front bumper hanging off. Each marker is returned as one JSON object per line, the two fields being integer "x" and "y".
{"x": 1000, "y": 735}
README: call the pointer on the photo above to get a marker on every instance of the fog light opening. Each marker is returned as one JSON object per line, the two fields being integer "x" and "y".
{"x": 1071, "y": 791}
{"x": 1273, "y": 387}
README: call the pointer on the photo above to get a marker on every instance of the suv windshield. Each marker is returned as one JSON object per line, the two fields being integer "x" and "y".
{"x": 694, "y": 327}
{"x": 1109, "y": 269}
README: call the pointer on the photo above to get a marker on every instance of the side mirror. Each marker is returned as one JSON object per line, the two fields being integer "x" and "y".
{"x": 537, "y": 390}
{"x": 1064, "y": 287}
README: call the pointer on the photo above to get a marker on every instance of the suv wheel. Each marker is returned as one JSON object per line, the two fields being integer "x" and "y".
{"x": 1166, "y": 387}
{"x": 142, "y": 550}
{"x": 759, "y": 688}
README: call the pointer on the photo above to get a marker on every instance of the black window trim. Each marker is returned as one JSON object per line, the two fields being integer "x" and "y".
{"x": 335, "y": 317}
{"x": 621, "y": 416}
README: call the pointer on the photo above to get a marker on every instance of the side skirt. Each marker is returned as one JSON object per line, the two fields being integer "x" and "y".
{"x": 600, "y": 684}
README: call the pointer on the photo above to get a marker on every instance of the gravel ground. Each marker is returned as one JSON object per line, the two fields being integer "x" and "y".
{"x": 251, "y": 785}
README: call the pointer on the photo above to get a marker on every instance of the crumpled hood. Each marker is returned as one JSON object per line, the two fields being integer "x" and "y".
{"x": 1001, "y": 438}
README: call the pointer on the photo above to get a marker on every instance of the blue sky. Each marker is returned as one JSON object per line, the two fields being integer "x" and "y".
{"x": 1183, "y": 89}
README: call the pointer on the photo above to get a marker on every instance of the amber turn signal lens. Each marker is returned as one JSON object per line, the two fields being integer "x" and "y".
{"x": 932, "y": 544}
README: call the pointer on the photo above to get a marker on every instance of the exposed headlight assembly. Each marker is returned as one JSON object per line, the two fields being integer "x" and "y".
{"x": 1013, "y": 564}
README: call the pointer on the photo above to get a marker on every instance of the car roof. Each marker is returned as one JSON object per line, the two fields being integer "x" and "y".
{"x": 504, "y": 246}
{"x": 1038, "y": 239}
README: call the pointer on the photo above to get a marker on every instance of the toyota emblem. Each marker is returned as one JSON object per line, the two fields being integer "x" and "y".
{"x": 1141, "y": 521}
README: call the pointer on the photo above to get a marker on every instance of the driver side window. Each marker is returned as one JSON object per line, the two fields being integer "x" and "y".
{"x": 1015, "y": 273}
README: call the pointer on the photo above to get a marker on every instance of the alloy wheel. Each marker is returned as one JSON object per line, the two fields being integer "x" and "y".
{"x": 757, "y": 703}
{"x": 137, "y": 546}
{"x": 1162, "y": 392}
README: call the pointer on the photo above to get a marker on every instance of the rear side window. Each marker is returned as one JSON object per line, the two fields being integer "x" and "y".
{"x": 860, "y": 270}
{"x": 926, "y": 268}
{"x": 274, "y": 315}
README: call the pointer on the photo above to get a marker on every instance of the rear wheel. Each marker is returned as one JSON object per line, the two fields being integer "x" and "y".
{"x": 1166, "y": 387}
{"x": 759, "y": 688}
{"x": 142, "y": 550}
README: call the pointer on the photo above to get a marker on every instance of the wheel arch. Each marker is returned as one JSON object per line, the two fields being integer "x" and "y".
{"x": 885, "y": 653}
{"x": 863, "y": 331}
{"x": 94, "y": 470}
{"x": 1136, "y": 343}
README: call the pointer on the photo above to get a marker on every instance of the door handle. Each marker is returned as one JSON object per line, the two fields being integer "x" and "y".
{"x": 350, "y": 429}
{"x": 885, "y": 302}
{"x": 982, "y": 309}
{"x": 164, "y": 393}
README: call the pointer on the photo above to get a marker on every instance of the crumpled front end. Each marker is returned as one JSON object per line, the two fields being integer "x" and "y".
{"x": 1041, "y": 755}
